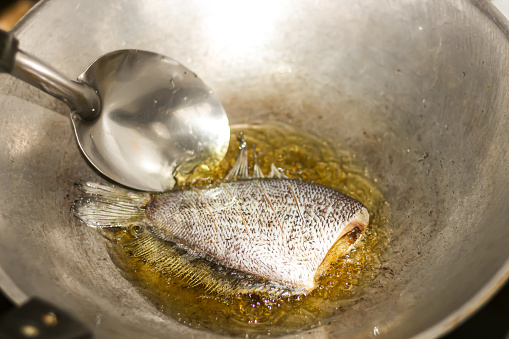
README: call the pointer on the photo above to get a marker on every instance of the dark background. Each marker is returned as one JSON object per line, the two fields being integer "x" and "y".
{"x": 491, "y": 321}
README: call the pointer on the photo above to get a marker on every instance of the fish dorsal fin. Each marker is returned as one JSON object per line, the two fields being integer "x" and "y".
{"x": 257, "y": 171}
{"x": 276, "y": 173}
{"x": 240, "y": 167}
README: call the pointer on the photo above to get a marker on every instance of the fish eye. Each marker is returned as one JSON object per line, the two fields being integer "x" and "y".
{"x": 137, "y": 229}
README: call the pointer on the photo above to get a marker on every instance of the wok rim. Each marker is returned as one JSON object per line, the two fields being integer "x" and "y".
{"x": 17, "y": 296}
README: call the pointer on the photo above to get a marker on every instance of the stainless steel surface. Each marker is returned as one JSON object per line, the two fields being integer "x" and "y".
{"x": 139, "y": 117}
{"x": 419, "y": 89}
{"x": 80, "y": 97}
{"x": 157, "y": 118}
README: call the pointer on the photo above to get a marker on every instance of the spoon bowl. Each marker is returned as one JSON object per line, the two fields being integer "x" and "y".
{"x": 140, "y": 118}
{"x": 157, "y": 118}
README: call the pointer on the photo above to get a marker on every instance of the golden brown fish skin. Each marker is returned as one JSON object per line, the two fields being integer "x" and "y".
{"x": 279, "y": 229}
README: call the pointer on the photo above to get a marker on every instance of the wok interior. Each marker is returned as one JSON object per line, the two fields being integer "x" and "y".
{"x": 417, "y": 89}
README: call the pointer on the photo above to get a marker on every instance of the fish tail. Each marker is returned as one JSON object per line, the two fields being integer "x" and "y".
{"x": 109, "y": 206}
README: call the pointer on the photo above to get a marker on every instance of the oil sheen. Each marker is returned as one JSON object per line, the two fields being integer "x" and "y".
{"x": 148, "y": 262}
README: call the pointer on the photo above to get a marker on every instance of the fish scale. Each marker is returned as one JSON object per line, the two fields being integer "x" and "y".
{"x": 269, "y": 227}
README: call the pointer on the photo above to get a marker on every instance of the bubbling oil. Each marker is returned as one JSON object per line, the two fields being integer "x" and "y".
{"x": 300, "y": 156}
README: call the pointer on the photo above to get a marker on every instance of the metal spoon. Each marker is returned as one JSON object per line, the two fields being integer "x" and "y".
{"x": 139, "y": 117}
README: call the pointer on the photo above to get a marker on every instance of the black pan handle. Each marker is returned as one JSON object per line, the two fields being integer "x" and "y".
{"x": 8, "y": 49}
{"x": 39, "y": 319}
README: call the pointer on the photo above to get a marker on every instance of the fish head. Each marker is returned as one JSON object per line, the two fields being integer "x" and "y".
{"x": 346, "y": 241}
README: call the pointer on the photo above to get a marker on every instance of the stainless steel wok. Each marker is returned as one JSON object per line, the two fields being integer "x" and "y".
{"x": 418, "y": 89}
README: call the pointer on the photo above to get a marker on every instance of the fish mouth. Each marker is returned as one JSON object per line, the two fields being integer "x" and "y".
{"x": 352, "y": 236}
{"x": 355, "y": 228}
{"x": 352, "y": 232}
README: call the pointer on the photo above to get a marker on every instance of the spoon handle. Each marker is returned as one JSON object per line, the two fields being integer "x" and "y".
{"x": 79, "y": 96}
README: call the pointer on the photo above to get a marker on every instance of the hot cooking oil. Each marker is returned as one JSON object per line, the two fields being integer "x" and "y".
{"x": 148, "y": 262}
